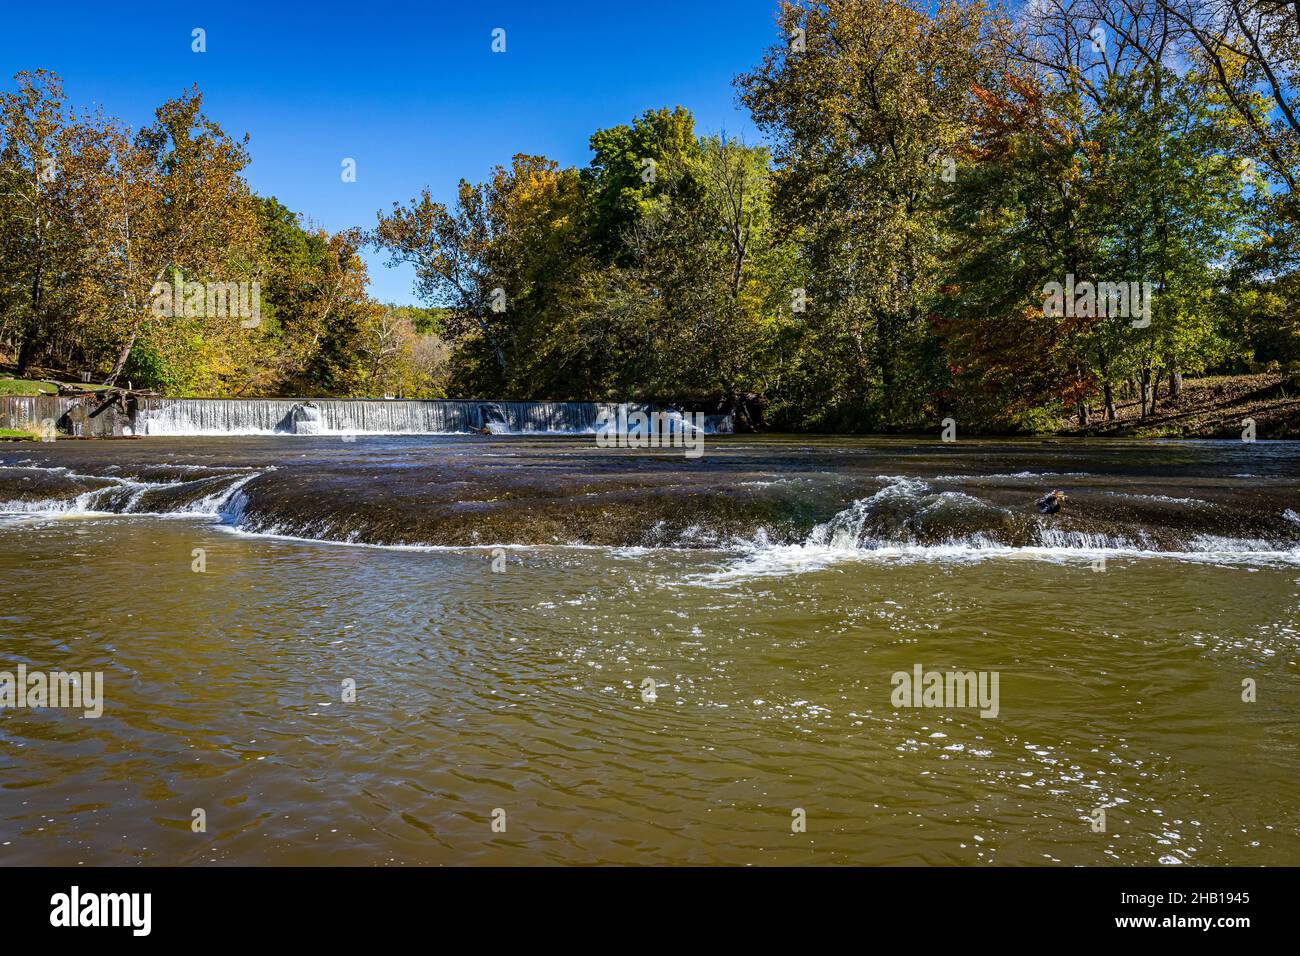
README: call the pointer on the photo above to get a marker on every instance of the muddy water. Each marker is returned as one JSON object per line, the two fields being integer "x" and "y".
{"x": 771, "y": 591}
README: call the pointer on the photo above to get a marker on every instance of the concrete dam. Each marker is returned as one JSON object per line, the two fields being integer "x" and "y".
{"x": 83, "y": 416}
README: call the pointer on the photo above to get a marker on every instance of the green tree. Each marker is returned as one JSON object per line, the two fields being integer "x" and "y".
{"x": 625, "y": 173}
{"x": 865, "y": 101}
{"x": 41, "y": 251}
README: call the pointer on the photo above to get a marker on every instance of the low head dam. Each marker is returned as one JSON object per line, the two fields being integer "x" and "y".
{"x": 88, "y": 416}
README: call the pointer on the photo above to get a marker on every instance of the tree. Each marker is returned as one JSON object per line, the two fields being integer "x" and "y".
{"x": 865, "y": 103}
{"x": 1021, "y": 215}
{"x": 1151, "y": 175}
{"x": 40, "y": 253}
{"x": 540, "y": 254}
{"x": 625, "y": 173}
{"x": 313, "y": 302}
{"x": 449, "y": 250}
{"x": 703, "y": 266}
{"x": 1252, "y": 47}
{"x": 170, "y": 199}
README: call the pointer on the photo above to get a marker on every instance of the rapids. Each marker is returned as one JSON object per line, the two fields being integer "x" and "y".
{"x": 1220, "y": 500}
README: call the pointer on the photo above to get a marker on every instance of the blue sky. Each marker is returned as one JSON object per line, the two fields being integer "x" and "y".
{"x": 411, "y": 91}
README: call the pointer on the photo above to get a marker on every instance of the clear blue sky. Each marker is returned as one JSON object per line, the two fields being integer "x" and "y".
{"x": 411, "y": 91}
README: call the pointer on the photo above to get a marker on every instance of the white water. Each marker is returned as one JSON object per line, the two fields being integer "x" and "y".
{"x": 845, "y": 537}
{"x": 324, "y": 416}
{"x": 123, "y": 496}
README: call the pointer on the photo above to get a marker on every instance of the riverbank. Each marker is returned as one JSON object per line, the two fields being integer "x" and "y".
{"x": 43, "y": 386}
{"x": 1211, "y": 407}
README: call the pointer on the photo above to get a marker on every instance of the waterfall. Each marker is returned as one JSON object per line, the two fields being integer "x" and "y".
{"x": 305, "y": 419}
{"x": 328, "y": 416}
{"x": 203, "y": 416}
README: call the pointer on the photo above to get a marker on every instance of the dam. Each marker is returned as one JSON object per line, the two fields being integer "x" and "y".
{"x": 84, "y": 417}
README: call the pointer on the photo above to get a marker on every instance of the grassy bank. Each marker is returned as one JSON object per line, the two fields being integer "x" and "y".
{"x": 31, "y": 386}
{"x": 22, "y": 386}
{"x": 1212, "y": 407}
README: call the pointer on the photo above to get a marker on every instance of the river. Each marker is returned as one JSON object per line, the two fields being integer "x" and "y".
{"x": 530, "y": 650}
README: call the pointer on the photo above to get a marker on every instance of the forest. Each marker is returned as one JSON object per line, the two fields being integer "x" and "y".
{"x": 948, "y": 203}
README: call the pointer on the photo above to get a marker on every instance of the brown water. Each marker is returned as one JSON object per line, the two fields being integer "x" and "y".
{"x": 521, "y": 690}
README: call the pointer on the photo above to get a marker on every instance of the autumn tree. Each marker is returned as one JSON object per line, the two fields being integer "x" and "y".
{"x": 170, "y": 200}
{"x": 41, "y": 253}
{"x": 448, "y": 249}
{"x": 1106, "y": 156}
{"x": 314, "y": 291}
{"x": 865, "y": 101}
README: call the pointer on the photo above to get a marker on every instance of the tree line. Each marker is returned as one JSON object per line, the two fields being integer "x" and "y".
{"x": 957, "y": 209}
{"x": 103, "y": 227}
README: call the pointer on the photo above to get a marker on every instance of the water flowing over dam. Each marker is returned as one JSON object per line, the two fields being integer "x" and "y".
{"x": 317, "y": 416}
{"x": 784, "y": 499}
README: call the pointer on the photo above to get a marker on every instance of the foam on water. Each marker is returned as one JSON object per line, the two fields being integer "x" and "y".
{"x": 1013, "y": 476}
{"x": 128, "y": 496}
{"x": 903, "y": 521}
{"x": 906, "y": 502}
{"x": 782, "y": 560}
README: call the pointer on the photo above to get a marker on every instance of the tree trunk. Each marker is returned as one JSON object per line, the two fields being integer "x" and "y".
{"x": 740, "y": 412}
{"x": 122, "y": 357}
{"x": 26, "y": 354}
{"x": 885, "y": 344}
{"x": 1108, "y": 391}
{"x": 1175, "y": 382}
{"x": 31, "y": 328}
{"x": 497, "y": 351}
{"x": 1081, "y": 405}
